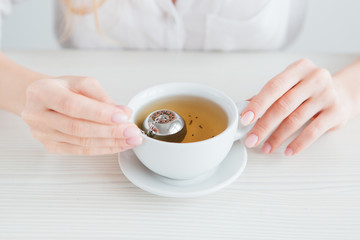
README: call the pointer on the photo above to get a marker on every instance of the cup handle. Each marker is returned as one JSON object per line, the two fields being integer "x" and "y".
{"x": 242, "y": 130}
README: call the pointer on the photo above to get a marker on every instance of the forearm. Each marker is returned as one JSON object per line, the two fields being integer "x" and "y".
{"x": 349, "y": 78}
{"x": 14, "y": 80}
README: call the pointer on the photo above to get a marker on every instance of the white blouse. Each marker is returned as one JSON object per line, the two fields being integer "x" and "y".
{"x": 223, "y": 25}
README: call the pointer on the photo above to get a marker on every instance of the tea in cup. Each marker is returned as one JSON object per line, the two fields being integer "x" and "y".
{"x": 212, "y": 125}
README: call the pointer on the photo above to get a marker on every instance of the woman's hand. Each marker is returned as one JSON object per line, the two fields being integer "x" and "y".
{"x": 74, "y": 115}
{"x": 302, "y": 92}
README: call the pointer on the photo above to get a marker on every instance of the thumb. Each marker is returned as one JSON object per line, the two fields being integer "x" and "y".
{"x": 91, "y": 88}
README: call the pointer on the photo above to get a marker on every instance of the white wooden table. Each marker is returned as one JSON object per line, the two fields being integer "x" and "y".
{"x": 314, "y": 195}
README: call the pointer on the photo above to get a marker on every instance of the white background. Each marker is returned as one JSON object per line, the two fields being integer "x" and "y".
{"x": 330, "y": 26}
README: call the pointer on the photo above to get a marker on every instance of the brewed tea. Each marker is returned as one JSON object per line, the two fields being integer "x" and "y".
{"x": 204, "y": 118}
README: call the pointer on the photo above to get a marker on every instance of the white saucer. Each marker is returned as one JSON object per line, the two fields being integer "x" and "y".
{"x": 227, "y": 172}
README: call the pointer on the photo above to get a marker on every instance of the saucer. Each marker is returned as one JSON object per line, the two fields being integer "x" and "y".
{"x": 227, "y": 172}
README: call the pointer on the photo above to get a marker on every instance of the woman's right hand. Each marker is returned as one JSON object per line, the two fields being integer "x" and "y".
{"x": 74, "y": 115}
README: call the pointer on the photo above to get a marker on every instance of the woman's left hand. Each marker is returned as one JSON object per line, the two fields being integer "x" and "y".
{"x": 302, "y": 92}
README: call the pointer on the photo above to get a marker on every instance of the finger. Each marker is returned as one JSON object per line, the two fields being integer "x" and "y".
{"x": 83, "y": 128}
{"x": 89, "y": 87}
{"x": 97, "y": 142}
{"x": 311, "y": 85}
{"x": 78, "y": 106}
{"x": 70, "y": 149}
{"x": 51, "y": 137}
{"x": 309, "y": 110}
{"x": 249, "y": 99}
{"x": 278, "y": 112}
{"x": 292, "y": 123}
{"x": 274, "y": 89}
{"x": 312, "y": 132}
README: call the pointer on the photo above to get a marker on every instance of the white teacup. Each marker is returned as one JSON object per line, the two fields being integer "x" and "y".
{"x": 185, "y": 161}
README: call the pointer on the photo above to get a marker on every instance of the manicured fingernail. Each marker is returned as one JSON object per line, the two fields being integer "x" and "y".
{"x": 131, "y": 132}
{"x": 266, "y": 148}
{"x": 134, "y": 141}
{"x": 247, "y": 118}
{"x": 289, "y": 151}
{"x": 251, "y": 140}
{"x": 119, "y": 118}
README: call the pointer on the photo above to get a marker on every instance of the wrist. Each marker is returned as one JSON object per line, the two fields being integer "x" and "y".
{"x": 347, "y": 82}
{"x": 20, "y": 100}
{"x": 14, "y": 80}
{"x": 13, "y": 96}
{"x": 345, "y": 97}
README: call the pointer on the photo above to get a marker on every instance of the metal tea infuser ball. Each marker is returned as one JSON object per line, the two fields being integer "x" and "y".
{"x": 165, "y": 125}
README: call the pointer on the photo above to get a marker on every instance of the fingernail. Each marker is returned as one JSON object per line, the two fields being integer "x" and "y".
{"x": 266, "y": 148}
{"x": 119, "y": 118}
{"x": 131, "y": 132}
{"x": 289, "y": 151}
{"x": 247, "y": 118}
{"x": 134, "y": 141}
{"x": 251, "y": 140}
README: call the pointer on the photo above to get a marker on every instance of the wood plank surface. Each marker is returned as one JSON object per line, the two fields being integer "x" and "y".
{"x": 314, "y": 195}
